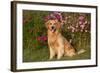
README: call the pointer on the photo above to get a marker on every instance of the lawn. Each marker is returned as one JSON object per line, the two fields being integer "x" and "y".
{"x": 76, "y": 30}
{"x": 43, "y": 55}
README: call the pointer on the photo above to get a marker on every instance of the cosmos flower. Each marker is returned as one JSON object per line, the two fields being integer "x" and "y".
{"x": 81, "y": 22}
{"x": 81, "y": 17}
{"x": 82, "y": 26}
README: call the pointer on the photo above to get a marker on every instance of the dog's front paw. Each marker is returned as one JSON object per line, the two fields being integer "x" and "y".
{"x": 50, "y": 58}
{"x": 59, "y": 57}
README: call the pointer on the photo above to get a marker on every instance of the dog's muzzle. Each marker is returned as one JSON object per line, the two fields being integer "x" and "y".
{"x": 53, "y": 29}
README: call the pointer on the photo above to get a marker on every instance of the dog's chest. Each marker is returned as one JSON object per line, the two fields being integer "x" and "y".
{"x": 53, "y": 42}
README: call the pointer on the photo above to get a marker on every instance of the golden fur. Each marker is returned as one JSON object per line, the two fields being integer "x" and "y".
{"x": 58, "y": 45}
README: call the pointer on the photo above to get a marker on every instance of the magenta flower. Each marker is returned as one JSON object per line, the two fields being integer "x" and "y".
{"x": 54, "y": 15}
{"x": 57, "y": 16}
{"x": 42, "y": 38}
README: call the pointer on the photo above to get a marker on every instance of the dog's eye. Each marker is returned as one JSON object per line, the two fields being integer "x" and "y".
{"x": 50, "y": 23}
{"x": 55, "y": 23}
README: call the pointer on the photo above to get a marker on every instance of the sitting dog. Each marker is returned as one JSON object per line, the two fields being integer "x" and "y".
{"x": 58, "y": 45}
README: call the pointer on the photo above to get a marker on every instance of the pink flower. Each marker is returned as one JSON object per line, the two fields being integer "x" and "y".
{"x": 80, "y": 22}
{"x": 47, "y": 18}
{"x": 72, "y": 28}
{"x": 81, "y": 17}
{"x": 66, "y": 18}
{"x": 58, "y": 16}
{"x": 82, "y": 26}
{"x": 52, "y": 16}
{"x": 86, "y": 30}
{"x": 85, "y": 22}
{"x": 81, "y": 30}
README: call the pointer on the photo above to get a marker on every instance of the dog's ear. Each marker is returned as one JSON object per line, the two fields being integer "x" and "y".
{"x": 58, "y": 25}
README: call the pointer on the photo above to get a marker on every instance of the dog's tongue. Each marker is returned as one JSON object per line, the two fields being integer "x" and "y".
{"x": 53, "y": 30}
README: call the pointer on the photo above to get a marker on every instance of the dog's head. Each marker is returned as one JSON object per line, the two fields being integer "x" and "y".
{"x": 53, "y": 25}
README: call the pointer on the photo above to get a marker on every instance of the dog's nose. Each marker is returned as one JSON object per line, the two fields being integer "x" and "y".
{"x": 52, "y": 27}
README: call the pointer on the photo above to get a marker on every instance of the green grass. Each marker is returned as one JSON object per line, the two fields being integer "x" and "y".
{"x": 43, "y": 55}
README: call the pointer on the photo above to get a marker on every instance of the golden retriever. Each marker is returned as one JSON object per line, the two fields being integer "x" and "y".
{"x": 58, "y": 45}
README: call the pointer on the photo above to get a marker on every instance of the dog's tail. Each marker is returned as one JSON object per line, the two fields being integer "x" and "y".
{"x": 81, "y": 51}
